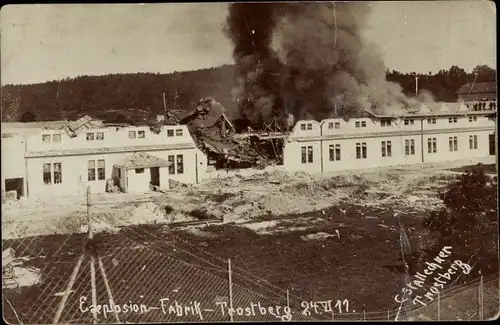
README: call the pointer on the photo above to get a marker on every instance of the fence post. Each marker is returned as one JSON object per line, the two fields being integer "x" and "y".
{"x": 364, "y": 313}
{"x": 92, "y": 258}
{"x": 388, "y": 315}
{"x": 230, "y": 290}
{"x": 481, "y": 295}
{"x": 287, "y": 298}
{"x": 439, "y": 306}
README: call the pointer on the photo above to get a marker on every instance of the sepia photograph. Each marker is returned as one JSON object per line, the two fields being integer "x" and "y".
{"x": 249, "y": 162}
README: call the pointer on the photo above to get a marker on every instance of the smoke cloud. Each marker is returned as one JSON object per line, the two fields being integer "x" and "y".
{"x": 307, "y": 59}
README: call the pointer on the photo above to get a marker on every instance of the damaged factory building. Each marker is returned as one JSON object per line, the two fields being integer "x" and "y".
{"x": 216, "y": 136}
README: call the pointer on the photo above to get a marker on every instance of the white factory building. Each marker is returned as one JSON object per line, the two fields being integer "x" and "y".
{"x": 63, "y": 158}
{"x": 434, "y": 132}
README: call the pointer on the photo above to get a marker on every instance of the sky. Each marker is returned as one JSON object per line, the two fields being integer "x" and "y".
{"x": 50, "y": 42}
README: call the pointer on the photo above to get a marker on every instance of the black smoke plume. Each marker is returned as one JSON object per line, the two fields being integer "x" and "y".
{"x": 307, "y": 59}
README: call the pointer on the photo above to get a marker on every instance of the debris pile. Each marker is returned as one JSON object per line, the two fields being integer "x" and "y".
{"x": 214, "y": 133}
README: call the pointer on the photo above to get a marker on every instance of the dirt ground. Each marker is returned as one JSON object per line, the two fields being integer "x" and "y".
{"x": 237, "y": 196}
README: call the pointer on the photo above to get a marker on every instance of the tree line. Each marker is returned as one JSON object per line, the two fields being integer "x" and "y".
{"x": 126, "y": 97}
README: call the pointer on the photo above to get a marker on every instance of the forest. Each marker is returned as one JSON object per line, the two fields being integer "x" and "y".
{"x": 139, "y": 96}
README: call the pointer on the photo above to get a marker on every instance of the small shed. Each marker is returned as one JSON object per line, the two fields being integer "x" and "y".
{"x": 141, "y": 172}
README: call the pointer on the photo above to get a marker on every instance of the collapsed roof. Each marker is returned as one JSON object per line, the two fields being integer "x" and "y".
{"x": 214, "y": 133}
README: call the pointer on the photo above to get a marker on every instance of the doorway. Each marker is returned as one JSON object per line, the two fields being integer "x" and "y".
{"x": 155, "y": 176}
{"x": 15, "y": 184}
{"x": 492, "y": 143}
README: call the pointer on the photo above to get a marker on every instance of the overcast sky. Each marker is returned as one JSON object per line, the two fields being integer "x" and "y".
{"x": 47, "y": 42}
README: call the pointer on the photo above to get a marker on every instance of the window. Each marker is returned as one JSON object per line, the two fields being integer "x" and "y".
{"x": 48, "y": 177}
{"x": 431, "y": 121}
{"x": 330, "y": 125}
{"x": 139, "y": 170}
{"x": 409, "y": 122}
{"x": 101, "y": 170}
{"x": 358, "y": 124}
{"x": 472, "y": 142}
{"x": 90, "y": 136}
{"x": 363, "y": 124}
{"x": 178, "y": 132}
{"x": 99, "y": 136}
{"x": 452, "y": 120}
{"x": 453, "y": 143}
{"x": 334, "y": 152}
{"x": 337, "y": 125}
{"x": 171, "y": 168}
{"x": 141, "y": 134}
{"x": 45, "y": 138}
{"x": 56, "y": 137}
{"x": 386, "y": 149}
{"x": 409, "y": 147}
{"x": 91, "y": 170}
{"x": 385, "y": 122}
{"x": 309, "y": 126}
{"x": 431, "y": 145}
{"x": 303, "y": 127}
{"x": 57, "y": 173}
{"x": 180, "y": 164}
{"x": 306, "y": 154}
{"x": 361, "y": 150}
{"x": 472, "y": 118}
{"x": 47, "y": 174}
{"x": 170, "y": 133}
{"x": 131, "y": 134}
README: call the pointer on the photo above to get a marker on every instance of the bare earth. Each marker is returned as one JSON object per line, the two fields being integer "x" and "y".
{"x": 237, "y": 196}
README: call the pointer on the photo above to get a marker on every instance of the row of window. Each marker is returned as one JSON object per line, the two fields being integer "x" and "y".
{"x": 385, "y": 123}
{"x": 91, "y": 136}
{"x": 386, "y": 148}
{"x": 96, "y": 169}
{"x": 452, "y": 144}
{"x": 48, "y": 138}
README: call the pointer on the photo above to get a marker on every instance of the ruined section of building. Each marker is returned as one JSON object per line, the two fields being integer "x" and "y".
{"x": 215, "y": 135}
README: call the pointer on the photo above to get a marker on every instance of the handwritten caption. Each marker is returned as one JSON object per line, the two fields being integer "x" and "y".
{"x": 438, "y": 281}
{"x": 194, "y": 308}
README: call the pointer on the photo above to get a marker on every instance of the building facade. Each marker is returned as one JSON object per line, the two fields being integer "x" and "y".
{"x": 436, "y": 132}
{"x": 58, "y": 161}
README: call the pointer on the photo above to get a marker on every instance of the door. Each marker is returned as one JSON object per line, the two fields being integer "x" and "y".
{"x": 155, "y": 176}
{"x": 492, "y": 143}
{"x": 15, "y": 184}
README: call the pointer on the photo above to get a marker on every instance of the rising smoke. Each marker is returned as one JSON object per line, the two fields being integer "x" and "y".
{"x": 307, "y": 59}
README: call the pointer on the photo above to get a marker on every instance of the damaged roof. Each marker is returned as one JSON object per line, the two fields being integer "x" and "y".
{"x": 207, "y": 113}
{"x": 142, "y": 160}
{"x": 426, "y": 109}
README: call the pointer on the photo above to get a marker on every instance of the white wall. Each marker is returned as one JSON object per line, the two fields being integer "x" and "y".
{"x": 292, "y": 156}
{"x": 74, "y": 168}
{"x": 138, "y": 183}
{"x": 347, "y": 135}
{"x": 113, "y": 138}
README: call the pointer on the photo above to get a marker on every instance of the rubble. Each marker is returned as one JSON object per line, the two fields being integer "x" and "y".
{"x": 214, "y": 134}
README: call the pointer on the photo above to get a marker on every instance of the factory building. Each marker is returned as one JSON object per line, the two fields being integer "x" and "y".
{"x": 63, "y": 158}
{"x": 434, "y": 132}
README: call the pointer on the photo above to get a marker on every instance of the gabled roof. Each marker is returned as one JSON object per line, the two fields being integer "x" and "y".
{"x": 142, "y": 160}
{"x": 478, "y": 87}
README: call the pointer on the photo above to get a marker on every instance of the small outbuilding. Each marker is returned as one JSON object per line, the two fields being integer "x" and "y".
{"x": 142, "y": 172}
